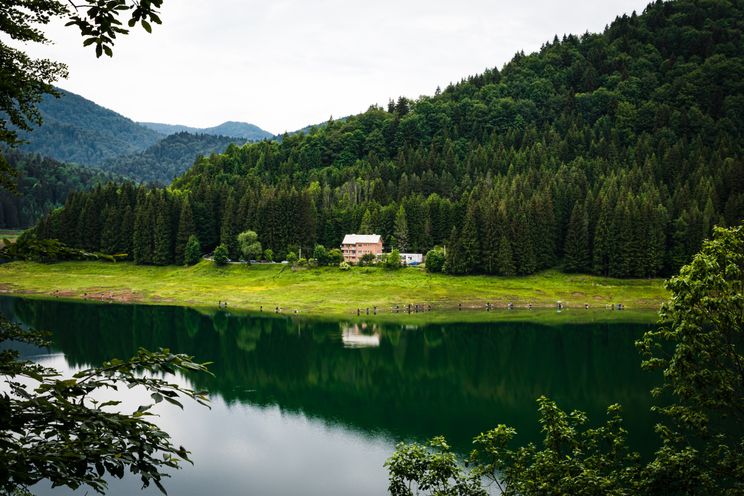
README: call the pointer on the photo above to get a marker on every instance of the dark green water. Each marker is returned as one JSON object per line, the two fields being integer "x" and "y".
{"x": 315, "y": 407}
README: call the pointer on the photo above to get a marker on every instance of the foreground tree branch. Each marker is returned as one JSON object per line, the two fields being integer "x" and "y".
{"x": 51, "y": 428}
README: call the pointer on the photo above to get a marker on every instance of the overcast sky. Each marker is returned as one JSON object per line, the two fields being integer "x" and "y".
{"x": 284, "y": 64}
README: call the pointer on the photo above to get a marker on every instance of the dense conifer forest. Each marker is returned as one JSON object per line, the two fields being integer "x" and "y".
{"x": 77, "y": 130}
{"x": 612, "y": 153}
{"x": 168, "y": 158}
{"x": 43, "y": 184}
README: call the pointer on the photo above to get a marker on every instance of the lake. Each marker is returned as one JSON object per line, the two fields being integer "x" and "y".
{"x": 315, "y": 407}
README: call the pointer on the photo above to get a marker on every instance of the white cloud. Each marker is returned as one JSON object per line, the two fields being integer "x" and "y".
{"x": 288, "y": 63}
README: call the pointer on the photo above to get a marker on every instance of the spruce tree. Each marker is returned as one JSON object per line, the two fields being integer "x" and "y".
{"x": 453, "y": 256}
{"x": 576, "y": 247}
{"x": 162, "y": 254}
{"x": 228, "y": 230}
{"x": 470, "y": 244}
{"x": 505, "y": 259}
{"x": 126, "y": 232}
{"x": 88, "y": 226}
{"x": 185, "y": 231}
{"x": 601, "y": 248}
{"x": 491, "y": 243}
{"x": 621, "y": 252}
{"x": 522, "y": 247}
{"x": 142, "y": 240}
{"x": 109, "y": 232}
{"x": 366, "y": 226}
{"x": 401, "y": 230}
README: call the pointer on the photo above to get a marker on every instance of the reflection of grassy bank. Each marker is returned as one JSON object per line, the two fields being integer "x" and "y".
{"x": 329, "y": 291}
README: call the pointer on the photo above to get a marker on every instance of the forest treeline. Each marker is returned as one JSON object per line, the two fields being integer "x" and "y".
{"x": 162, "y": 162}
{"x": 612, "y": 153}
{"x": 42, "y": 184}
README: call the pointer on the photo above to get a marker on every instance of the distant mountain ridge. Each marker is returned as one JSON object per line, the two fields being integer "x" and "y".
{"x": 231, "y": 129}
{"x": 77, "y": 130}
{"x": 169, "y": 157}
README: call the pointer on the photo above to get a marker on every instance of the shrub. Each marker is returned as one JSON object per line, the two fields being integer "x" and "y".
{"x": 269, "y": 255}
{"x": 392, "y": 261}
{"x": 250, "y": 247}
{"x": 220, "y": 255}
{"x": 335, "y": 256}
{"x": 192, "y": 252}
{"x": 367, "y": 259}
{"x": 344, "y": 266}
{"x": 435, "y": 260}
{"x": 292, "y": 258}
{"x": 320, "y": 254}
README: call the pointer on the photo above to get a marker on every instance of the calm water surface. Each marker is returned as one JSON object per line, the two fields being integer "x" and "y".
{"x": 315, "y": 407}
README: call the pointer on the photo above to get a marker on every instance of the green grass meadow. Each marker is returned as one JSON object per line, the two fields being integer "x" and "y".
{"x": 321, "y": 291}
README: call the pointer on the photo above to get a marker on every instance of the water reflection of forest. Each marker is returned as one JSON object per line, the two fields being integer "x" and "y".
{"x": 452, "y": 379}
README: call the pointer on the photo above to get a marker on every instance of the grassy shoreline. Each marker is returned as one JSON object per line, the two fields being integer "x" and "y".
{"x": 324, "y": 291}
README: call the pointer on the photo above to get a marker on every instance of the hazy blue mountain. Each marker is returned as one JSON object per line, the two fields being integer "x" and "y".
{"x": 168, "y": 158}
{"x": 79, "y": 131}
{"x": 232, "y": 129}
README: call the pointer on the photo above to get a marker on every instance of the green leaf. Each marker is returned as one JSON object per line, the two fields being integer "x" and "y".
{"x": 174, "y": 402}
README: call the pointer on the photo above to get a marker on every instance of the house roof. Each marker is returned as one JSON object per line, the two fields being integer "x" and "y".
{"x": 352, "y": 239}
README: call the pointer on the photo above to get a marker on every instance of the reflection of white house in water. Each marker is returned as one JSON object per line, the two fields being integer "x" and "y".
{"x": 356, "y": 336}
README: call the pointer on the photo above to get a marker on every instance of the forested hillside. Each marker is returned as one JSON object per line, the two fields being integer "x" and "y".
{"x": 77, "y": 130}
{"x": 43, "y": 184}
{"x": 244, "y": 130}
{"x": 168, "y": 158}
{"x": 611, "y": 153}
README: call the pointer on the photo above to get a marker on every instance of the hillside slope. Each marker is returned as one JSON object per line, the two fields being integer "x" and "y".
{"x": 168, "y": 158}
{"x": 78, "y": 130}
{"x": 612, "y": 153}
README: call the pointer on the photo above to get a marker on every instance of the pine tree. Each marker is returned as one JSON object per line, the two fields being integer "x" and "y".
{"x": 366, "y": 226}
{"x": 142, "y": 240}
{"x": 185, "y": 231}
{"x": 453, "y": 256}
{"x": 109, "y": 232}
{"x": 576, "y": 247}
{"x": 228, "y": 230}
{"x": 491, "y": 243}
{"x": 88, "y": 226}
{"x": 162, "y": 254}
{"x": 505, "y": 259}
{"x": 601, "y": 248}
{"x": 621, "y": 246}
{"x": 523, "y": 250}
{"x": 470, "y": 244}
{"x": 401, "y": 230}
{"x": 126, "y": 232}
